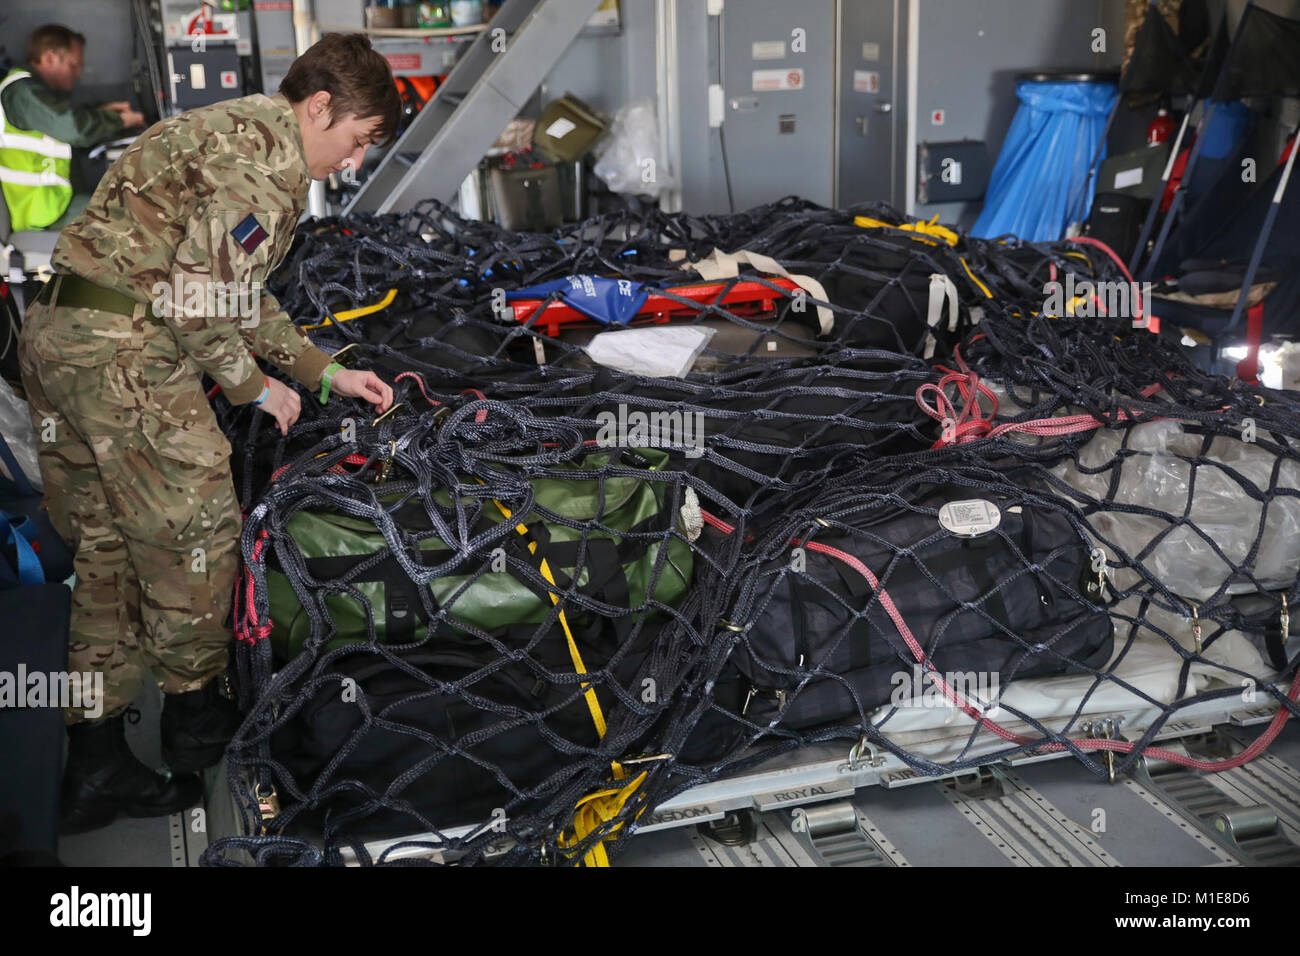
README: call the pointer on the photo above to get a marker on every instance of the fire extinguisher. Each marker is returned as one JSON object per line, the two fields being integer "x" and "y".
{"x": 1161, "y": 128}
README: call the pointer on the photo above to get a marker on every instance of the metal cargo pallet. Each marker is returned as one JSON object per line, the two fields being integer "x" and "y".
{"x": 832, "y": 806}
{"x": 825, "y": 772}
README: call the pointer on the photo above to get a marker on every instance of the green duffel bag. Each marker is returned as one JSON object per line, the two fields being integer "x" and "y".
{"x": 488, "y": 592}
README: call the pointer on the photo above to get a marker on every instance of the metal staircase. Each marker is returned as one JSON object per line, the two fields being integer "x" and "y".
{"x": 484, "y": 91}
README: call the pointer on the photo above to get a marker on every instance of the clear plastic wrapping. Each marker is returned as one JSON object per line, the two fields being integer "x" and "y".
{"x": 16, "y": 426}
{"x": 627, "y": 158}
{"x": 1156, "y": 470}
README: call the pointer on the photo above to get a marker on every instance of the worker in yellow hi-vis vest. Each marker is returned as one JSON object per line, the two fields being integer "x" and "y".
{"x": 39, "y": 127}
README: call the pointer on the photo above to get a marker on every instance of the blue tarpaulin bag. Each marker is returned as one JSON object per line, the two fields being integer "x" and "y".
{"x": 1042, "y": 169}
{"x": 19, "y": 565}
{"x": 23, "y": 505}
{"x": 608, "y": 301}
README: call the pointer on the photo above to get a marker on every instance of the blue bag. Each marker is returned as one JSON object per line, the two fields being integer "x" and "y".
{"x": 608, "y": 301}
{"x": 21, "y": 504}
{"x": 1040, "y": 174}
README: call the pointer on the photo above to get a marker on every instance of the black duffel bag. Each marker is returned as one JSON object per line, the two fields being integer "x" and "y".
{"x": 1010, "y": 594}
{"x": 788, "y": 426}
{"x": 879, "y": 282}
{"x": 455, "y": 730}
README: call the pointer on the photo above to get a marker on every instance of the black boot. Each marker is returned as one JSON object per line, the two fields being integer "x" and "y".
{"x": 196, "y": 726}
{"x": 104, "y": 779}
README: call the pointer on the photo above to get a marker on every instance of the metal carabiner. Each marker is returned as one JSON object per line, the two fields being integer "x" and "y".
{"x": 1110, "y": 754}
{"x": 387, "y": 464}
{"x": 268, "y": 804}
{"x": 395, "y": 407}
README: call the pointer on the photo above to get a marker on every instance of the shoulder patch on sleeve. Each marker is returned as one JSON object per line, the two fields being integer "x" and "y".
{"x": 249, "y": 233}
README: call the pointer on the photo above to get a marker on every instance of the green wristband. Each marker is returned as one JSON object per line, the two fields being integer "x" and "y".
{"x": 326, "y": 378}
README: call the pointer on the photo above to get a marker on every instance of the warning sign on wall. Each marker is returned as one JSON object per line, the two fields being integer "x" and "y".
{"x": 767, "y": 80}
{"x": 866, "y": 81}
{"x": 403, "y": 61}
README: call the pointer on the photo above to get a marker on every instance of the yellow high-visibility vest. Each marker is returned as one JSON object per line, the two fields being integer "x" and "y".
{"x": 35, "y": 170}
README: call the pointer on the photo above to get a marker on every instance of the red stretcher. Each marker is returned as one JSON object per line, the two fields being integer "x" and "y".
{"x": 745, "y": 297}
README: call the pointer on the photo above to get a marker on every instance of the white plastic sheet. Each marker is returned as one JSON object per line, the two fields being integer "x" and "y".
{"x": 662, "y": 351}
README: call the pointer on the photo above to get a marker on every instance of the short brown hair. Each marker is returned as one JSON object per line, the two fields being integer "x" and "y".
{"x": 52, "y": 36}
{"x": 357, "y": 79}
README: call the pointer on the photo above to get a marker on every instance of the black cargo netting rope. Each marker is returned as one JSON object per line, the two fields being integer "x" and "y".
{"x": 543, "y": 595}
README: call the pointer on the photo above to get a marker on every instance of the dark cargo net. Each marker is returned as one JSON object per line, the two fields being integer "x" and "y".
{"x": 543, "y": 595}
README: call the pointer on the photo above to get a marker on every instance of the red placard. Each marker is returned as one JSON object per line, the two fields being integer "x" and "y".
{"x": 403, "y": 61}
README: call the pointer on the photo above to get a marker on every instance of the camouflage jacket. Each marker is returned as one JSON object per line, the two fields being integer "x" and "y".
{"x": 191, "y": 219}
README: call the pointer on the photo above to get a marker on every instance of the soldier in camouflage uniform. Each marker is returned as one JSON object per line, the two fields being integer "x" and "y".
{"x": 135, "y": 469}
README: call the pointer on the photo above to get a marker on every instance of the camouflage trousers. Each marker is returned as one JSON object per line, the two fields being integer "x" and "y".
{"x": 137, "y": 480}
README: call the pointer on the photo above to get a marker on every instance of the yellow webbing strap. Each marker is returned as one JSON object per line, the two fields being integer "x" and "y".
{"x": 974, "y": 278}
{"x": 593, "y": 705}
{"x": 596, "y": 808}
{"x": 931, "y": 228}
{"x": 358, "y": 312}
{"x": 922, "y": 229}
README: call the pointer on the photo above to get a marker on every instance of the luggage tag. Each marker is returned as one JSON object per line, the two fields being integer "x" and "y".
{"x": 970, "y": 518}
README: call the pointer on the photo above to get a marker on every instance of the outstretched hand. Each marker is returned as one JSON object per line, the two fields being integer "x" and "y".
{"x": 130, "y": 118}
{"x": 355, "y": 383}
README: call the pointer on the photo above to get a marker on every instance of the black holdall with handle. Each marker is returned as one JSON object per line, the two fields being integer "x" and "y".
{"x": 867, "y": 596}
{"x": 437, "y": 726}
